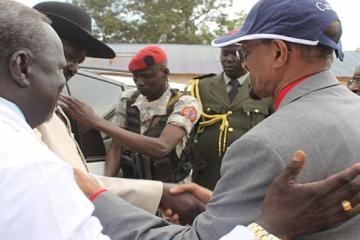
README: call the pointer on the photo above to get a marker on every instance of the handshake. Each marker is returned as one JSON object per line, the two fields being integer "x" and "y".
{"x": 312, "y": 206}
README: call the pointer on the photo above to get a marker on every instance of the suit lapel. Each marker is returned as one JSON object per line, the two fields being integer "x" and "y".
{"x": 316, "y": 82}
{"x": 218, "y": 90}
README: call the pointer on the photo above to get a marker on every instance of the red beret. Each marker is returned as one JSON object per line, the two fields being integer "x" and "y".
{"x": 146, "y": 58}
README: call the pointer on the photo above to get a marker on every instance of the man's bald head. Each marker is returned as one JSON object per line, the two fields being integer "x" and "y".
{"x": 20, "y": 28}
{"x": 32, "y": 59}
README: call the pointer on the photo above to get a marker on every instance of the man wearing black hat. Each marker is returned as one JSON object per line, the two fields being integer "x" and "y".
{"x": 73, "y": 25}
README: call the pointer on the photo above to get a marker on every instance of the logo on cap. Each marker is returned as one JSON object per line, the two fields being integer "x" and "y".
{"x": 149, "y": 61}
{"x": 323, "y": 6}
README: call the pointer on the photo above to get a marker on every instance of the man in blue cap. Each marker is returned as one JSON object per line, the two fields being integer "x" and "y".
{"x": 288, "y": 48}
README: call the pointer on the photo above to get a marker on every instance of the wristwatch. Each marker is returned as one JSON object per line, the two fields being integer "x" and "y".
{"x": 261, "y": 233}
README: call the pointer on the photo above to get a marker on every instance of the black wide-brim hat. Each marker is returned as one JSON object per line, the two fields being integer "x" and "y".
{"x": 73, "y": 23}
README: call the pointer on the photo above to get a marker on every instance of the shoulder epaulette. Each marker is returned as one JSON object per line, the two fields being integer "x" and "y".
{"x": 205, "y": 76}
{"x": 127, "y": 94}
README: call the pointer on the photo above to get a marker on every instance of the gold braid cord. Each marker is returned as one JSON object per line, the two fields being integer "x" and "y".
{"x": 208, "y": 120}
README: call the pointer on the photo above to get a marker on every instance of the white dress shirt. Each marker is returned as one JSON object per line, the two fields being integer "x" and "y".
{"x": 240, "y": 79}
{"x": 239, "y": 233}
{"x": 39, "y": 197}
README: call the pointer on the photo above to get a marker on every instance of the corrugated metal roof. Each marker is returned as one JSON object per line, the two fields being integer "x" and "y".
{"x": 200, "y": 59}
{"x": 182, "y": 58}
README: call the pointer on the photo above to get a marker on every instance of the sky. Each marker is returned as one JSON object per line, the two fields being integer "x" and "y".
{"x": 347, "y": 12}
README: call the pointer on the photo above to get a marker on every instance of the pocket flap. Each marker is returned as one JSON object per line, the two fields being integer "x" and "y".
{"x": 255, "y": 108}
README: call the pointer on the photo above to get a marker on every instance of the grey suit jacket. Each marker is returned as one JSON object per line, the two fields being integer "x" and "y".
{"x": 319, "y": 116}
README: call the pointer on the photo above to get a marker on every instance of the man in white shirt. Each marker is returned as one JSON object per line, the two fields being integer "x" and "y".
{"x": 40, "y": 198}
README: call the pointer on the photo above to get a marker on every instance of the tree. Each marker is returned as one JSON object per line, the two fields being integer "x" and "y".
{"x": 165, "y": 21}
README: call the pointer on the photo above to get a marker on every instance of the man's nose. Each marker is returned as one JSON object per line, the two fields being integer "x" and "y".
{"x": 73, "y": 68}
{"x": 139, "y": 81}
{"x": 70, "y": 70}
{"x": 230, "y": 58}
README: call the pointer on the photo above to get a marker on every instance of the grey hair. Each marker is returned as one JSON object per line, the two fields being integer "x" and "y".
{"x": 313, "y": 53}
{"x": 20, "y": 28}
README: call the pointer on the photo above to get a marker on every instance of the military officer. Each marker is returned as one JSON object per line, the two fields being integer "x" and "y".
{"x": 228, "y": 113}
{"x": 158, "y": 121}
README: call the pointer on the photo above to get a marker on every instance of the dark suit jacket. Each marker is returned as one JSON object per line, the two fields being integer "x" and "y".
{"x": 319, "y": 116}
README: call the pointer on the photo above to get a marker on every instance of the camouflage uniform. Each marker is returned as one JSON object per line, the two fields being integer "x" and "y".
{"x": 235, "y": 118}
{"x": 185, "y": 114}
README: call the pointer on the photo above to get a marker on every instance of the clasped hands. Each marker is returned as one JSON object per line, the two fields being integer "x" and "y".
{"x": 289, "y": 209}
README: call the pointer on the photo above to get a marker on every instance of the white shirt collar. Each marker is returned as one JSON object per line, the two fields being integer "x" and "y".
{"x": 13, "y": 107}
{"x": 241, "y": 79}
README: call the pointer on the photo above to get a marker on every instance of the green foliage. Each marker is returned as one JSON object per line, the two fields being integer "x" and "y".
{"x": 165, "y": 21}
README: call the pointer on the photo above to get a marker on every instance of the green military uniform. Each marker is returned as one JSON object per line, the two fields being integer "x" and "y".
{"x": 222, "y": 122}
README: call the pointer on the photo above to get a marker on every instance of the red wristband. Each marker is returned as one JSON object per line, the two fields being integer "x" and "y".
{"x": 96, "y": 194}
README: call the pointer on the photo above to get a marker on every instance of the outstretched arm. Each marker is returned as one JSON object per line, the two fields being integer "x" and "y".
{"x": 290, "y": 208}
{"x": 112, "y": 161}
{"x": 153, "y": 147}
{"x": 285, "y": 193}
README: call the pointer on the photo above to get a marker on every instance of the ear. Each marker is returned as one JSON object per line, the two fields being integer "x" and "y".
{"x": 243, "y": 65}
{"x": 19, "y": 66}
{"x": 280, "y": 52}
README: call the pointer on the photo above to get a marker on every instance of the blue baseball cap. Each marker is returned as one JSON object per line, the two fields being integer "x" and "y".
{"x": 296, "y": 21}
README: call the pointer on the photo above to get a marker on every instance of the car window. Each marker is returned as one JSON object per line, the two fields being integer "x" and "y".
{"x": 101, "y": 94}
{"x": 98, "y": 92}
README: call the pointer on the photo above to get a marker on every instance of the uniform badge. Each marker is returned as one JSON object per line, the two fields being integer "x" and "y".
{"x": 190, "y": 113}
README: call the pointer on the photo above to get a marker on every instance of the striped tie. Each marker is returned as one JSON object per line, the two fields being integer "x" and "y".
{"x": 234, "y": 83}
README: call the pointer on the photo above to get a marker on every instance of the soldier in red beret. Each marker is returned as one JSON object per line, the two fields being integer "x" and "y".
{"x": 153, "y": 121}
